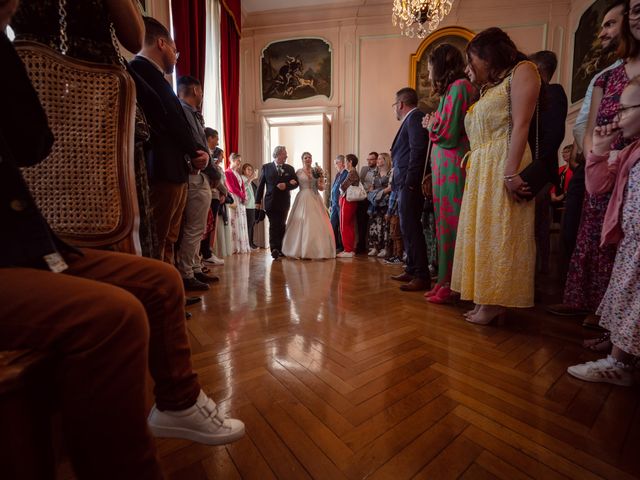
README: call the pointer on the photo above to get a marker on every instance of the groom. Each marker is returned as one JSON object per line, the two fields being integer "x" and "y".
{"x": 278, "y": 178}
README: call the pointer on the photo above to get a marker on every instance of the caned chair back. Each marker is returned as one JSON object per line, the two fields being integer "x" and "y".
{"x": 86, "y": 187}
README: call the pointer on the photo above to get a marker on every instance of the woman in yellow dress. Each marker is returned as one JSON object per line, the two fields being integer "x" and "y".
{"x": 494, "y": 262}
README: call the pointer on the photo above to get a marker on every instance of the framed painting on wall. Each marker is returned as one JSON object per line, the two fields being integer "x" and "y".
{"x": 419, "y": 79}
{"x": 296, "y": 69}
{"x": 588, "y": 55}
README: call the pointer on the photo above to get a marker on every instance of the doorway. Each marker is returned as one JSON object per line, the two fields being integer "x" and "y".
{"x": 307, "y": 132}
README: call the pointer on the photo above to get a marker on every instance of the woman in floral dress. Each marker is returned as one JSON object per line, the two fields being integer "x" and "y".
{"x": 449, "y": 146}
{"x": 591, "y": 264}
{"x": 620, "y": 307}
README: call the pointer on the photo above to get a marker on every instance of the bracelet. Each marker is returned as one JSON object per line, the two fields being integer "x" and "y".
{"x": 508, "y": 178}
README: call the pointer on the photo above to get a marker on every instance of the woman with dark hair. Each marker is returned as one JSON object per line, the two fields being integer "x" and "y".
{"x": 592, "y": 263}
{"x": 449, "y": 145}
{"x": 494, "y": 260}
{"x": 348, "y": 209}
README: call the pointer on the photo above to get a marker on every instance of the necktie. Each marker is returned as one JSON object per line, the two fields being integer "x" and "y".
{"x": 280, "y": 170}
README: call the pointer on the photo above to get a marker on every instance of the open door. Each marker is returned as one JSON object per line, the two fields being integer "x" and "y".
{"x": 326, "y": 155}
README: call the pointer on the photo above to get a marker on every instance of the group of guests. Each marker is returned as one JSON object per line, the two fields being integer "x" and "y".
{"x": 111, "y": 318}
{"x": 488, "y": 158}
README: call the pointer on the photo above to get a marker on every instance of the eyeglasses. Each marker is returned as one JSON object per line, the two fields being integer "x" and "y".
{"x": 394, "y": 104}
{"x": 634, "y": 13}
{"x": 622, "y": 109}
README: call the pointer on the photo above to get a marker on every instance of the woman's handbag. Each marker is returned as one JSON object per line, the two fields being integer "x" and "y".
{"x": 356, "y": 193}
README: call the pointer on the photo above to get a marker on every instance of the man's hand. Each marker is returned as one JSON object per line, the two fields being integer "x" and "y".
{"x": 603, "y": 137}
{"x": 201, "y": 160}
{"x": 258, "y": 206}
{"x": 282, "y": 186}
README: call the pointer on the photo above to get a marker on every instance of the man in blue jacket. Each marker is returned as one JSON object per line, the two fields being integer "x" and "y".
{"x": 409, "y": 153}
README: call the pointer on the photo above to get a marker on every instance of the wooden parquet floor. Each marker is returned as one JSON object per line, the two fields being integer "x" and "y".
{"x": 339, "y": 375}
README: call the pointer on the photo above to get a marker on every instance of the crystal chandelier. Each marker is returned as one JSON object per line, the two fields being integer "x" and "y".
{"x": 419, "y": 17}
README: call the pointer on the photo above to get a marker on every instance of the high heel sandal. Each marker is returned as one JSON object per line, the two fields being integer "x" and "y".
{"x": 598, "y": 344}
{"x": 483, "y": 318}
{"x": 471, "y": 312}
{"x": 444, "y": 295}
{"x": 433, "y": 291}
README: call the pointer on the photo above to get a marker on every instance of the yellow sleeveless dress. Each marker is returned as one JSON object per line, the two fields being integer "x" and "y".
{"x": 494, "y": 261}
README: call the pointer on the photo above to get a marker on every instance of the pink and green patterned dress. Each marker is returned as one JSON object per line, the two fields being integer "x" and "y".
{"x": 450, "y": 145}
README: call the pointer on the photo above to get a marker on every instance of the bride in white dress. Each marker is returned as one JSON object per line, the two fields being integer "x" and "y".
{"x": 309, "y": 233}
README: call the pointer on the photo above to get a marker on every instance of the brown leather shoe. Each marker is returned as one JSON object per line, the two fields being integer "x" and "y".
{"x": 415, "y": 285}
{"x": 403, "y": 277}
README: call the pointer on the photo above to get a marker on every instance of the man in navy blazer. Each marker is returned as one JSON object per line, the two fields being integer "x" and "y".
{"x": 409, "y": 153}
{"x": 335, "y": 200}
{"x": 174, "y": 153}
{"x": 277, "y": 179}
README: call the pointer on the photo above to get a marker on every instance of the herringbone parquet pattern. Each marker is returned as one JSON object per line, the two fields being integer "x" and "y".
{"x": 339, "y": 375}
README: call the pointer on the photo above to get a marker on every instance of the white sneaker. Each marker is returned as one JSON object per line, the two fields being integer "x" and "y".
{"x": 200, "y": 423}
{"x": 607, "y": 370}
{"x": 373, "y": 252}
{"x": 345, "y": 255}
{"x": 382, "y": 253}
{"x": 214, "y": 260}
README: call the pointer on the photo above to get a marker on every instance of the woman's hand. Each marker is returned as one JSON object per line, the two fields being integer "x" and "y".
{"x": 603, "y": 137}
{"x": 518, "y": 188}
{"x": 428, "y": 120}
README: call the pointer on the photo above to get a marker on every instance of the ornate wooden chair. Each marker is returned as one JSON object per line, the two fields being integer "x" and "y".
{"x": 86, "y": 191}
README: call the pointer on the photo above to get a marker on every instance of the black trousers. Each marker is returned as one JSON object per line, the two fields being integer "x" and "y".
{"x": 277, "y": 226}
{"x": 205, "y": 245}
{"x": 573, "y": 210}
{"x": 362, "y": 219}
{"x": 410, "y": 204}
{"x": 251, "y": 219}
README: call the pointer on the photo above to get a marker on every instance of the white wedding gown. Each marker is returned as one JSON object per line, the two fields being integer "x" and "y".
{"x": 309, "y": 233}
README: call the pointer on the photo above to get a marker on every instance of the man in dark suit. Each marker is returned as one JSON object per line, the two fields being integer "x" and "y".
{"x": 409, "y": 153}
{"x": 173, "y": 152}
{"x": 276, "y": 181}
{"x": 335, "y": 200}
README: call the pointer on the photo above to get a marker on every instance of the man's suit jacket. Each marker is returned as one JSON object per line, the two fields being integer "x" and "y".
{"x": 274, "y": 198}
{"x": 409, "y": 152}
{"x": 172, "y": 144}
{"x": 25, "y": 140}
{"x": 335, "y": 193}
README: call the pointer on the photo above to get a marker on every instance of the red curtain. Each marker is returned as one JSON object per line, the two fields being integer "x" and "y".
{"x": 230, "y": 68}
{"x": 189, "y": 23}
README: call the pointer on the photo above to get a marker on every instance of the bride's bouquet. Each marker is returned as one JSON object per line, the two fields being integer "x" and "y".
{"x": 318, "y": 173}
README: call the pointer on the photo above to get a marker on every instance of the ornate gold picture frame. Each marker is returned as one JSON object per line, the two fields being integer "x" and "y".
{"x": 418, "y": 74}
